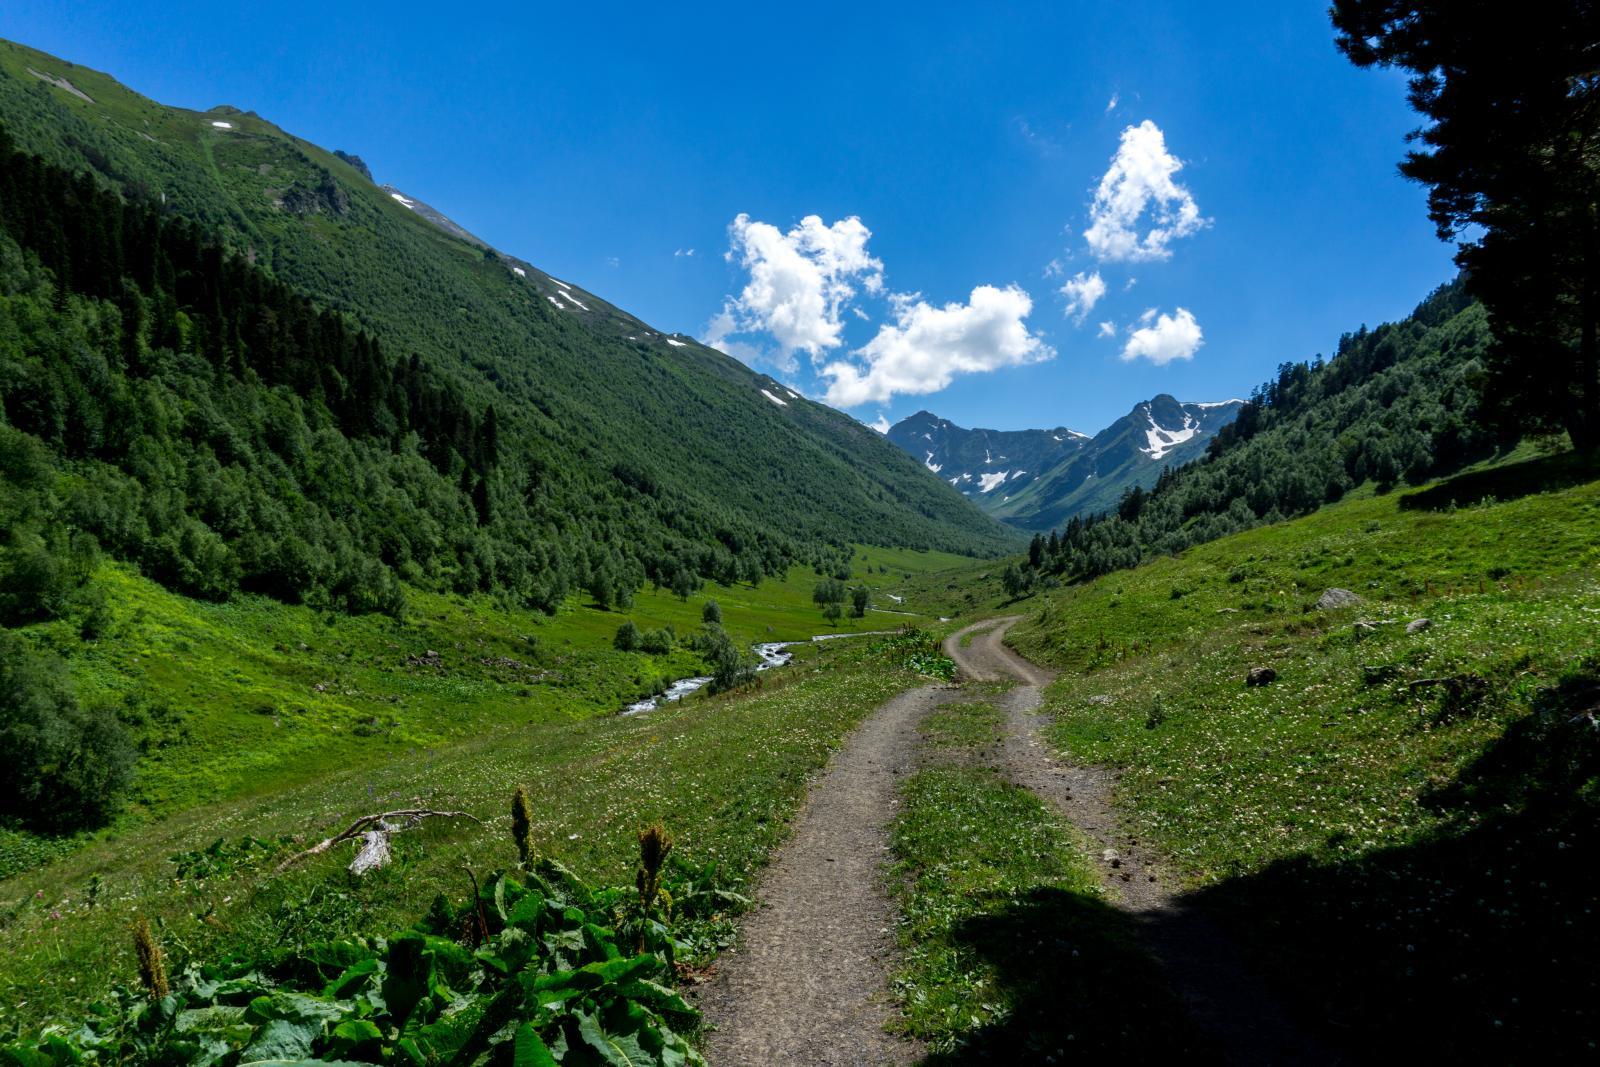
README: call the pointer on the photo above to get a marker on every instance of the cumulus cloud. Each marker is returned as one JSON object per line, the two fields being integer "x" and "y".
{"x": 1083, "y": 291}
{"x": 1164, "y": 338}
{"x": 1108, "y": 329}
{"x": 882, "y": 425}
{"x": 1140, "y": 182}
{"x": 800, "y": 282}
{"x": 927, "y": 346}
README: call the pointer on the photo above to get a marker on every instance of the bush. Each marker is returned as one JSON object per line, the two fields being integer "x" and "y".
{"x": 711, "y": 614}
{"x": 729, "y": 668}
{"x": 628, "y": 637}
{"x": 66, "y": 767}
{"x": 658, "y": 642}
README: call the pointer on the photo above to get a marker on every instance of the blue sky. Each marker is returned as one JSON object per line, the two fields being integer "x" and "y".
{"x": 1256, "y": 195}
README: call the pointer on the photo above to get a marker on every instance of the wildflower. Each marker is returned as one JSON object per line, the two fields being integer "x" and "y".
{"x": 654, "y": 846}
{"x": 152, "y": 971}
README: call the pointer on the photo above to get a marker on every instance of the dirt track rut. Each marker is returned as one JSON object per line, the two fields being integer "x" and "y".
{"x": 808, "y": 984}
{"x": 1226, "y": 1001}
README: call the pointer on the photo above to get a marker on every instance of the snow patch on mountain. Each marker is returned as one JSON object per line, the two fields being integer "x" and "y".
{"x": 1162, "y": 440}
{"x": 782, "y": 403}
{"x": 988, "y": 482}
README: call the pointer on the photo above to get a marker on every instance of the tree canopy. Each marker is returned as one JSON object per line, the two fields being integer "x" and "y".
{"x": 1510, "y": 153}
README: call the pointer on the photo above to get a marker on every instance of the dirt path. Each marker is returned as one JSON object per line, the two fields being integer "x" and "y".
{"x": 1223, "y": 997}
{"x": 808, "y": 985}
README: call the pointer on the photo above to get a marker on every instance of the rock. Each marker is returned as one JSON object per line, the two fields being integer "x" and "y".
{"x": 1416, "y": 626}
{"x": 1227, "y": 611}
{"x": 1337, "y": 598}
{"x": 1099, "y": 698}
{"x": 1261, "y": 676}
{"x": 356, "y": 162}
{"x": 1365, "y": 626}
{"x": 1112, "y": 857}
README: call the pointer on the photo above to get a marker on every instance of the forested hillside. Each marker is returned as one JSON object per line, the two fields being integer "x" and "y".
{"x": 328, "y": 392}
{"x": 1398, "y": 404}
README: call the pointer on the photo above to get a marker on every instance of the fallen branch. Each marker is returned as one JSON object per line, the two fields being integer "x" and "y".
{"x": 371, "y": 822}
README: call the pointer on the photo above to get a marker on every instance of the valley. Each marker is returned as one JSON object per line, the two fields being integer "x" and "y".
{"x": 409, "y": 656}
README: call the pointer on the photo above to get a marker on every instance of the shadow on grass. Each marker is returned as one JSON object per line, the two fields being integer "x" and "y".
{"x": 1080, "y": 985}
{"x": 1510, "y": 482}
{"x": 1477, "y": 943}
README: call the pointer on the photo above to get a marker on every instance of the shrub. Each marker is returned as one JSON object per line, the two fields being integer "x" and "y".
{"x": 657, "y": 642}
{"x": 711, "y": 613}
{"x": 66, "y": 767}
{"x": 628, "y": 637}
{"x": 729, "y": 668}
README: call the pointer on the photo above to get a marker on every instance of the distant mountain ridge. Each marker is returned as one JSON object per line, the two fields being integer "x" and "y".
{"x": 1038, "y": 479}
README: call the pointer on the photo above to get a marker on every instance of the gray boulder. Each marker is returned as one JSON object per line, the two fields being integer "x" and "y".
{"x": 1332, "y": 599}
{"x": 1416, "y": 626}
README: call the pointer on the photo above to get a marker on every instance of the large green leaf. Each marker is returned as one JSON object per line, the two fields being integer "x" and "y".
{"x": 281, "y": 1039}
{"x": 358, "y": 976}
{"x": 353, "y": 1036}
{"x": 564, "y": 985}
{"x": 409, "y": 970}
{"x": 617, "y": 1050}
{"x": 660, "y": 999}
{"x": 529, "y": 1050}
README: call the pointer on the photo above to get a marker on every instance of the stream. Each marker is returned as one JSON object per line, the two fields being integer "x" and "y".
{"x": 770, "y": 653}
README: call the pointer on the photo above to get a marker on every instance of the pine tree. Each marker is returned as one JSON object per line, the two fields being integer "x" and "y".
{"x": 1511, "y": 156}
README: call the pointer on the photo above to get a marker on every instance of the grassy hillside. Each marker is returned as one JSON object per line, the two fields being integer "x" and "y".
{"x": 251, "y": 697}
{"x": 590, "y": 400}
{"x": 1395, "y": 823}
{"x": 724, "y": 774}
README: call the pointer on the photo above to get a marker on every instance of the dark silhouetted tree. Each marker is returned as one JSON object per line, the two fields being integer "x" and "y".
{"x": 1511, "y": 157}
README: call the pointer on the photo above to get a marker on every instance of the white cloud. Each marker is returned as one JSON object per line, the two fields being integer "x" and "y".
{"x": 1083, "y": 291}
{"x": 1166, "y": 338}
{"x": 683, "y": 253}
{"x": 928, "y": 346}
{"x": 800, "y": 282}
{"x": 1108, "y": 329}
{"x": 1140, "y": 180}
{"x": 1111, "y": 105}
{"x": 882, "y": 425}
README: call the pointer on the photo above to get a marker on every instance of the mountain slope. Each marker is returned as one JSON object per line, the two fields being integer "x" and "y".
{"x": 1037, "y": 479}
{"x": 590, "y": 400}
{"x": 1398, "y": 403}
